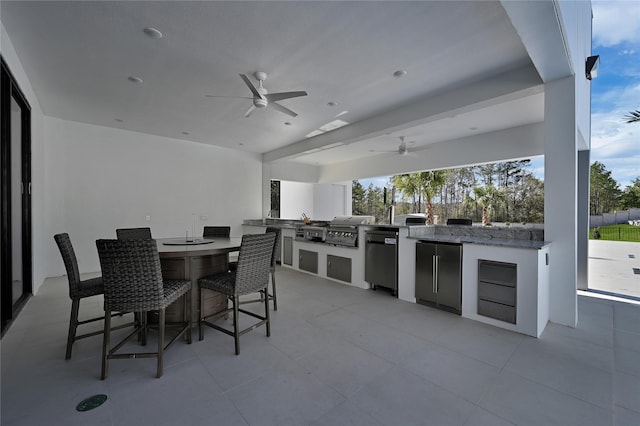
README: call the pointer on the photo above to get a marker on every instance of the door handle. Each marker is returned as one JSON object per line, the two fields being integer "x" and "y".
{"x": 437, "y": 273}
{"x": 434, "y": 273}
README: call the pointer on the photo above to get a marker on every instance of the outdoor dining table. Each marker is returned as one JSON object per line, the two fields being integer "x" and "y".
{"x": 192, "y": 259}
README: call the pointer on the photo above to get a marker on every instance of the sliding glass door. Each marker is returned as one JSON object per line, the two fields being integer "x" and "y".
{"x": 15, "y": 244}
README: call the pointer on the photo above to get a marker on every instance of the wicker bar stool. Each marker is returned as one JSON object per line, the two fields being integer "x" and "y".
{"x": 133, "y": 282}
{"x": 78, "y": 289}
{"x": 220, "y": 232}
{"x": 133, "y": 233}
{"x": 251, "y": 276}
{"x": 216, "y": 231}
{"x": 272, "y": 270}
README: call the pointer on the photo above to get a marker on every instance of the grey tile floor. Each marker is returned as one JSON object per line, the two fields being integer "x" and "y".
{"x": 337, "y": 355}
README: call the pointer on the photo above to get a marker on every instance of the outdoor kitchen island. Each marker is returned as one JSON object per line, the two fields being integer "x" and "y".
{"x": 505, "y": 270}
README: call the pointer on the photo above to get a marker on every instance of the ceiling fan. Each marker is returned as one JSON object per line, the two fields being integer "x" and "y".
{"x": 261, "y": 97}
{"x": 402, "y": 150}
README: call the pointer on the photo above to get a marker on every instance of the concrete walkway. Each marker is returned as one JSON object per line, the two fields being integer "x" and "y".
{"x": 614, "y": 266}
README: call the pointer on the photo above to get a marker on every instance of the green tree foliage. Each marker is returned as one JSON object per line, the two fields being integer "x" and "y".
{"x": 358, "y": 206}
{"x": 367, "y": 201}
{"x": 604, "y": 192}
{"x": 374, "y": 203}
{"x": 630, "y": 197}
{"x": 409, "y": 187}
{"x": 275, "y": 199}
{"x": 522, "y": 199}
{"x": 449, "y": 193}
{"x": 429, "y": 183}
{"x": 487, "y": 197}
{"x": 528, "y": 202}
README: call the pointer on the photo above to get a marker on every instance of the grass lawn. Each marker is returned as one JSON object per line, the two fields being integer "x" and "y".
{"x": 617, "y": 233}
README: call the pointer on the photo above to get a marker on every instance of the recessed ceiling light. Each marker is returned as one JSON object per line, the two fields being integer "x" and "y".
{"x": 341, "y": 114}
{"x": 134, "y": 79}
{"x": 152, "y": 32}
{"x": 332, "y": 103}
{"x": 473, "y": 128}
{"x": 287, "y": 123}
{"x": 119, "y": 120}
{"x": 185, "y": 133}
{"x": 399, "y": 73}
{"x": 240, "y": 144}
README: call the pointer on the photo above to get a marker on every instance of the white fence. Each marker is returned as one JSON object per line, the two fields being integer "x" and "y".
{"x": 630, "y": 216}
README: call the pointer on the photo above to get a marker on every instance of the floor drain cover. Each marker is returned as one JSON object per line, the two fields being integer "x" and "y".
{"x": 92, "y": 402}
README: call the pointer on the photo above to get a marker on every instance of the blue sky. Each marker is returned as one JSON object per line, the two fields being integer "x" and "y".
{"x": 614, "y": 93}
{"x": 616, "y": 90}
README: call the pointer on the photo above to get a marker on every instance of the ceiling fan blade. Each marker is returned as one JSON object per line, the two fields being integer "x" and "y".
{"x": 232, "y": 97}
{"x": 273, "y": 97}
{"x": 283, "y": 109}
{"x": 251, "y": 86}
{"x": 249, "y": 111}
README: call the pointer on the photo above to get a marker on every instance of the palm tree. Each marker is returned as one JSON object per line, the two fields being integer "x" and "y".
{"x": 407, "y": 184}
{"x": 487, "y": 197}
{"x": 429, "y": 183}
{"x": 633, "y": 116}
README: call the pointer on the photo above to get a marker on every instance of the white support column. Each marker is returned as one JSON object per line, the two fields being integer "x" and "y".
{"x": 583, "y": 218}
{"x": 561, "y": 198}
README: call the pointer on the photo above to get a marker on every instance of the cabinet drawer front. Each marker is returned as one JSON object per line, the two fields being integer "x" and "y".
{"x": 497, "y": 272}
{"x": 339, "y": 268}
{"x": 308, "y": 261}
{"x": 497, "y": 293}
{"x": 497, "y": 311}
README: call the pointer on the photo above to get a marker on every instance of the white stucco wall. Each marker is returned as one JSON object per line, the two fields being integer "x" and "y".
{"x": 295, "y": 198}
{"x": 100, "y": 179}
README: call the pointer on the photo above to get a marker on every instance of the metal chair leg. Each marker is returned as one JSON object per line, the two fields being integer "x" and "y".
{"x": 106, "y": 345}
{"x": 273, "y": 290}
{"x": 143, "y": 316}
{"x": 200, "y": 325}
{"x": 73, "y": 326}
{"x": 186, "y": 299}
{"x": 266, "y": 310}
{"x": 160, "y": 342}
{"x": 236, "y": 328}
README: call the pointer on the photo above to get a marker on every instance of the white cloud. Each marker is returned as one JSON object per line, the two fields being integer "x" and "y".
{"x": 620, "y": 99}
{"x": 616, "y": 144}
{"x": 616, "y": 22}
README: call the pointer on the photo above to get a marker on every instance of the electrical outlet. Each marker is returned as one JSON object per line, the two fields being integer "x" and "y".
{"x": 147, "y": 218}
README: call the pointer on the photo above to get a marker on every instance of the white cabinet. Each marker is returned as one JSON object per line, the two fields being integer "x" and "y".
{"x": 531, "y": 270}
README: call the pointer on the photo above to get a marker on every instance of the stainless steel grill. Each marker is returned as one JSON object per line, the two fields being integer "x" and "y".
{"x": 343, "y": 230}
{"x": 316, "y": 232}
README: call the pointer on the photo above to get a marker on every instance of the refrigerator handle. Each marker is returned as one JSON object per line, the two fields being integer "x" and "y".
{"x": 437, "y": 273}
{"x": 434, "y": 274}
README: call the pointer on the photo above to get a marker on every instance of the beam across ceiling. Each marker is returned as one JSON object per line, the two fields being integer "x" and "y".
{"x": 538, "y": 25}
{"x": 504, "y": 87}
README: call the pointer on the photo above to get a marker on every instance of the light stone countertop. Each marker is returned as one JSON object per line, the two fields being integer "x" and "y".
{"x": 525, "y": 244}
{"x": 530, "y": 237}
